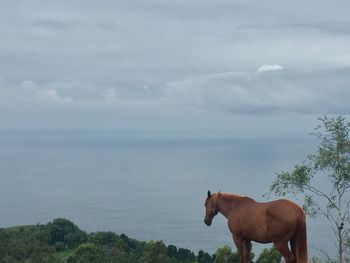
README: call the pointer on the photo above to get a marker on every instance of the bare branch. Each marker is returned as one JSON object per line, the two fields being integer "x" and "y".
{"x": 346, "y": 211}
{"x": 322, "y": 194}
{"x": 329, "y": 259}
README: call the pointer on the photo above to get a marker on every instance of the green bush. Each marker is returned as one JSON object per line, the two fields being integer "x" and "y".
{"x": 87, "y": 253}
{"x": 64, "y": 231}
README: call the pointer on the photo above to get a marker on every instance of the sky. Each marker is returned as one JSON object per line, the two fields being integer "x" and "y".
{"x": 243, "y": 67}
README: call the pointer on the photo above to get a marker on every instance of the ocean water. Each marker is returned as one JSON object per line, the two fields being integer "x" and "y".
{"x": 146, "y": 185}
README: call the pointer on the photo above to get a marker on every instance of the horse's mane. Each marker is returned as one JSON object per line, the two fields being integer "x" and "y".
{"x": 229, "y": 196}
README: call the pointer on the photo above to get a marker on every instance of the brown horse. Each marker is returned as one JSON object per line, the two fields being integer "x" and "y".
{"x": 277, "y": 222}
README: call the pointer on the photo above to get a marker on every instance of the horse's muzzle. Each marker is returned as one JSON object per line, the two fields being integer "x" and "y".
{"x": 207, "y": 221}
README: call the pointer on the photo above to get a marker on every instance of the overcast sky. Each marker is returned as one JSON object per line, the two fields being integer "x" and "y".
{"x": 246, "y": 67}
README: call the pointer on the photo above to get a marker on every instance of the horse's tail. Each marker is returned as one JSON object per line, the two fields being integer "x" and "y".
{"x": 300, "y": 239}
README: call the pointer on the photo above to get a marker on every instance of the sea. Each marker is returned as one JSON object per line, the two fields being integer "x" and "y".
{"x": 147, "y": 185}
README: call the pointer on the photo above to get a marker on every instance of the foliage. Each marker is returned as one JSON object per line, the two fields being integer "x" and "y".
{"x": 204, "y": 257}
{"x": 108, "y": 239}
{"x": 330, "y": 164}
{"x": 63, "y": 233}
{"x": 53, "y": 243}
{"x": 315, "y": 260}
{"x": 155, "y": 252}
{"x": 120, "y": 253}
{"x": 225, "y": 255}
{"x": 181, "y": 254}
{"x": 269, "y": 256}
{"x": 87, "y": 253}
{"x": 25, "y": 243}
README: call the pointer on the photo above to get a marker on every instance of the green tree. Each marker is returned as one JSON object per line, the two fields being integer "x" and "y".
{"x": 155, "y": 252}
{"x": 108, "y": 239}
{"x": 172, "y": 251}
{"x": 135, "y": 247}
{"x": 330, "y": 164}
{"x": 4, "y": 240}
{"x": 65, "y": 234}
{"x": 119, "y": 253}
{"x": 315, "y": 259}
{"x": 87, "y": 253}
{"x": 225, "y": 255}
{"x": 9, "y": 259}
{"x": 204, "y": 257}
{"x": 185, "y": 255}
{"x": 269, "y": 256}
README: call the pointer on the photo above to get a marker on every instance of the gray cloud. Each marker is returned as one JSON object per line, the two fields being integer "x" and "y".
{"x": 264, "y": 92}
{"x": 329, "y": 27}
{"x": 54, "y": 25}
{"x": 283, "y": 91}
{"x": 162, "y": 57}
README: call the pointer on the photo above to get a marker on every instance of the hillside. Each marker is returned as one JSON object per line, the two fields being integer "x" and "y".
{"x": 61, "y": 241}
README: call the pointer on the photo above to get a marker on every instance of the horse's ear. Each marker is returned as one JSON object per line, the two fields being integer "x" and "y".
{"x": 209, "y": 194}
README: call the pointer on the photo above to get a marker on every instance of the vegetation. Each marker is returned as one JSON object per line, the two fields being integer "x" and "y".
{"x": 330, "y": 164}
{"x": 269, "y": 256}
{"x": 61, "y": 241}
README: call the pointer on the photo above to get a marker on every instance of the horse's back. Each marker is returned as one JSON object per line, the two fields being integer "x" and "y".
{"x": 283, "y": 207}
{"x": 282, "y": 217}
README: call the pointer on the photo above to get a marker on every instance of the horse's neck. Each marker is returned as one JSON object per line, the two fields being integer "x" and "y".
{"x": 227, "y": 203}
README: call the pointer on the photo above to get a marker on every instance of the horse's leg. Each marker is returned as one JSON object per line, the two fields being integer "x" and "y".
{"x": 283, "y": 248}
{"x": 293, "y": 247}
{"x": 247, "y": 246}
{"x": 240, "y": 248}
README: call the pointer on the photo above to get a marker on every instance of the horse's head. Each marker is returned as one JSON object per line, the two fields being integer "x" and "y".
{"x": 211, "y": 207}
